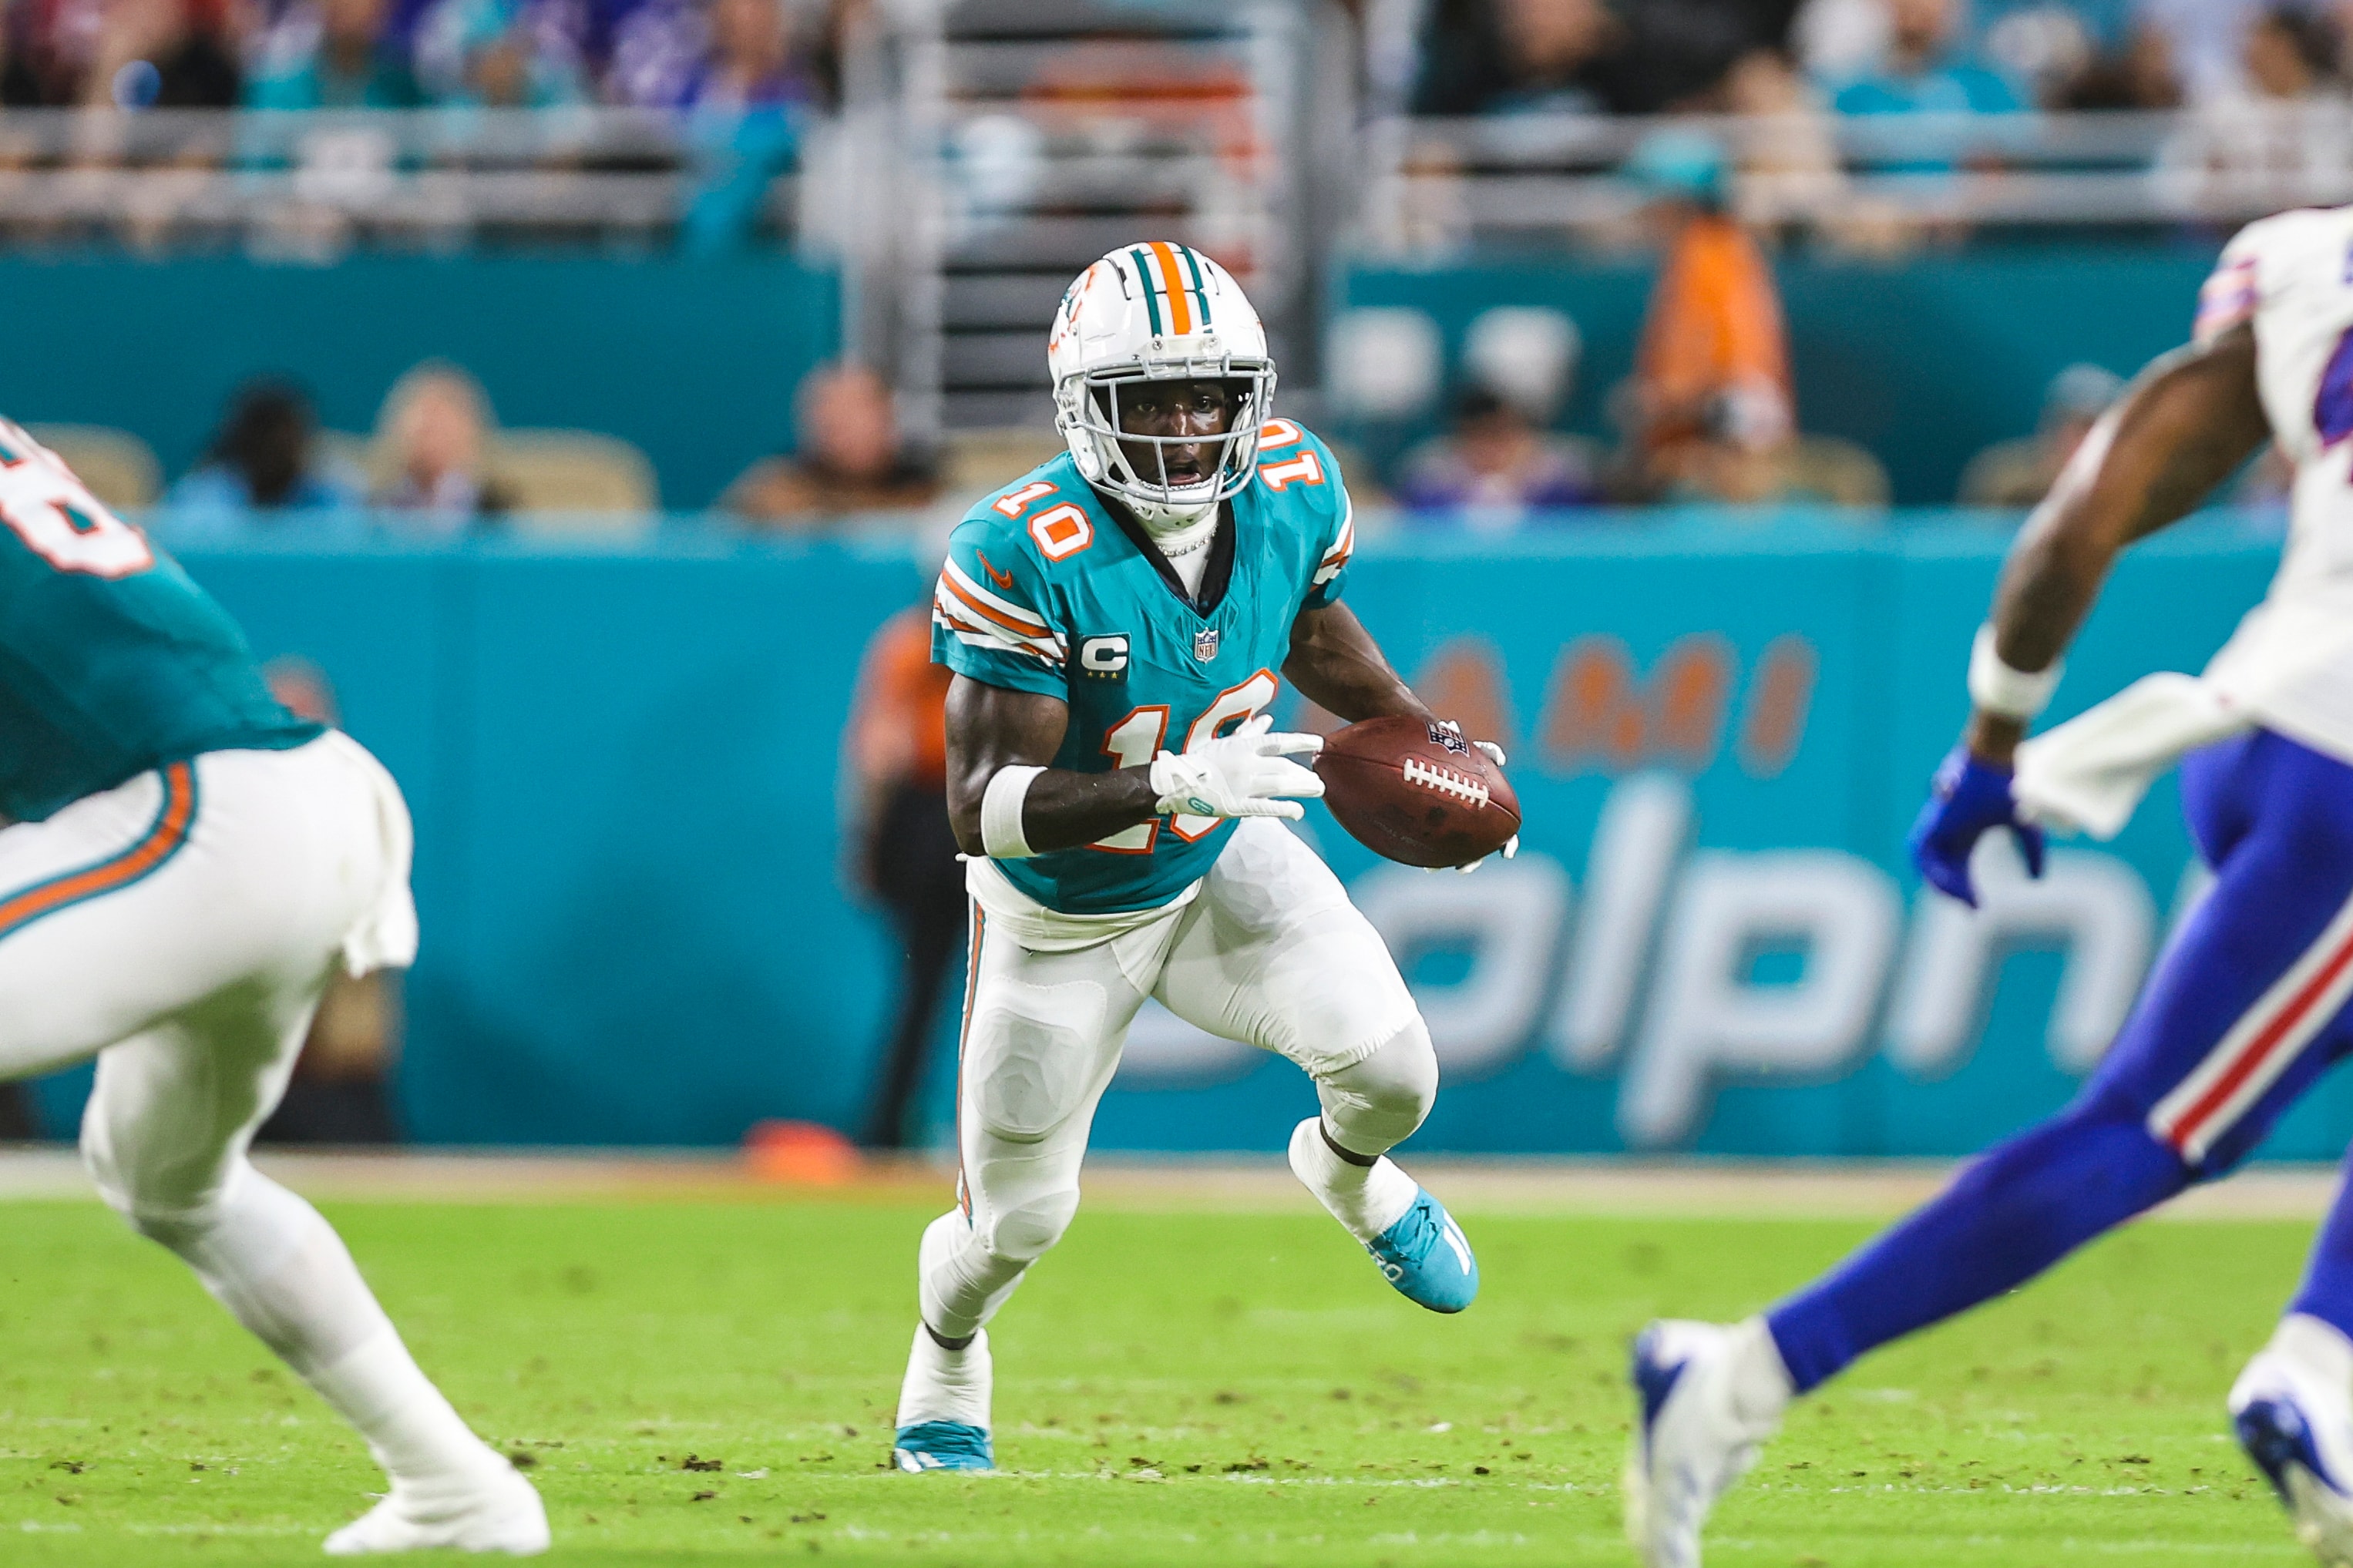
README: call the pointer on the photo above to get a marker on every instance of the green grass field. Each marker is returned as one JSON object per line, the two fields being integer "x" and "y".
{"x": 1172, "y": 1388}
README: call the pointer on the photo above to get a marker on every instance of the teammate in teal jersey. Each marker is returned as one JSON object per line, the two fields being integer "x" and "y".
{"x": 1116, "y": 621}
{"x": 189, "y": 863}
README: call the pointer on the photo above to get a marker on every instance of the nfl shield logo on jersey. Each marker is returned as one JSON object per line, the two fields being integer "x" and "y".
{"x": 1205, "y": 644}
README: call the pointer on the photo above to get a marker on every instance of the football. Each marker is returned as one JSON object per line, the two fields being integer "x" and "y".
{"x": 1417, "y": 792}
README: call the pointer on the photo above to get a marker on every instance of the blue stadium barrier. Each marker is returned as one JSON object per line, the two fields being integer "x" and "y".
{"x": 623, "y": 767}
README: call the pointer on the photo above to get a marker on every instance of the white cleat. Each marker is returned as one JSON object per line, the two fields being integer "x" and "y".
{"x": 500, "y": 1512}
{"x": 2293, "y": 1409}
{"x": 1708, "y": 1397}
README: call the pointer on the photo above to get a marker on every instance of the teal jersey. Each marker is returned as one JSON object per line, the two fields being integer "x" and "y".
{"x": 1045, "y": 590}
{"x": 111, "y": 660}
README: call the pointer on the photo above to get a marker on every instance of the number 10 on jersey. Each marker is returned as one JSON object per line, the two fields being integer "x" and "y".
{"x": 1138, "y": 738}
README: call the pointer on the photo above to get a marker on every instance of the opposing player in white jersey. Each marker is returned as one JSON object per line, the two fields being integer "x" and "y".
{"x": 189, "y": 863}
{"x": 2247, "y": 1006}
{"x": 1116, "y": 620}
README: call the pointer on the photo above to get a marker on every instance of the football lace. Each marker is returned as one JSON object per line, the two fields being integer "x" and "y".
{"x": 1446, "y": 781}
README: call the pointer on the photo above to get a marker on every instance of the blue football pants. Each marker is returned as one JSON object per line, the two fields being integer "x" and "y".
{"x": 2241, "y": 1013}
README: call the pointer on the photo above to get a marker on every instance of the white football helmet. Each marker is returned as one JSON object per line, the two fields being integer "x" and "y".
{"x": 1156, "y": 310}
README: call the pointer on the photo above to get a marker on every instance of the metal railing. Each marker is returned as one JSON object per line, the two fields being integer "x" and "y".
{"x": 1440, "y": 184}
{"x": 323, "y": 180}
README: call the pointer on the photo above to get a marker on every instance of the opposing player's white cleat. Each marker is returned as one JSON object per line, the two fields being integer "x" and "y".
{"x": 2292, "y": 1408}
{"x": 496, "y": 1511}
{"x": 1707, "y": 1396}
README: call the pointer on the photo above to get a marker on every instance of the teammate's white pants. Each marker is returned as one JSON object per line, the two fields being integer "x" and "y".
{"x": 181, "y": 928}
{"x": 1269, "y": 952}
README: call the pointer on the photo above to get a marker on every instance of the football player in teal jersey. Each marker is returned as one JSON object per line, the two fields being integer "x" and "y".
{"x": 1116, "y": 621}
{"x": 185, "y": 864}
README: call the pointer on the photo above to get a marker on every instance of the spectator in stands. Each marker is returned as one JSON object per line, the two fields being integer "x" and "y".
{"x": 498, "y": 54}
{"x": 1489, "y": 56}
{"x": 751, "y": 62}
{"x": 1922, "y": 75}
{"x": 162, "y": 54}
{"x": 2207, "y": 41}
{"x": 2019, "y": 473}
{"x": 1789, "y": 160}
{"x": 851, "y": 460}
{"x": 727, "y": 54}
{"x": 433, "y": 430}
{"x": 2291, "y": 56}
{"x": 747, "y": 97}
{"x": 1746, "y": 454}
{"x": 2139, "y": 75}
{"x": 902, "y": 852}
{"x": 2285, "y": 139}
{"x": 1495, "y": 466}
{"x": 262, "y": 476}
{"x": 2043, "y": 49}
{"x": 332, "y": 54}
{"x": 1714, "y": 330}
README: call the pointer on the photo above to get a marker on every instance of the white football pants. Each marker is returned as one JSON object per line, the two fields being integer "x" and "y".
{"x": 181, "y": 928}
{"x": 1269, "y": 952}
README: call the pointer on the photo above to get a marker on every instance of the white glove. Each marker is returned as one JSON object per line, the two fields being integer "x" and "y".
{"x": 1246, "y": 774}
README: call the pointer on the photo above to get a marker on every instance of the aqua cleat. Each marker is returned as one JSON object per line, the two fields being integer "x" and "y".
{"x": 1426, "y": 1255}
{"x": 943, "y": 1445}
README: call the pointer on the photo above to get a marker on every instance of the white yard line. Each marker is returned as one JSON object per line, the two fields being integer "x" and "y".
{"x": 1627, "y": 1188}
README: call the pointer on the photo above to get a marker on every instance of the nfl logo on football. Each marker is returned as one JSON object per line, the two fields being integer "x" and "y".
{"x": 1205, "y": 644}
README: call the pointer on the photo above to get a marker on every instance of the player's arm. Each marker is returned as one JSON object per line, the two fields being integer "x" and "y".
{"x": 2185, "y": 426}
{"x": 991, "y": 728}
{"x": 1336, "y": 665}
{"x": 1006, "y": 800}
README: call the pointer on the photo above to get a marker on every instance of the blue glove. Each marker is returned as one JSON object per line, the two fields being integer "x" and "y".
{"x": 1967, "y": 797}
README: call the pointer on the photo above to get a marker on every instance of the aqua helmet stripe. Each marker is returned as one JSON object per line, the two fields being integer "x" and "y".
{"x": 1151, "y": 295}
{"x": 1200, "y": 289}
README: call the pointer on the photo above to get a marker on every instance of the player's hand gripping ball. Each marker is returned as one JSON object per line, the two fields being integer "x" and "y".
{"x": 1414, "y": 791}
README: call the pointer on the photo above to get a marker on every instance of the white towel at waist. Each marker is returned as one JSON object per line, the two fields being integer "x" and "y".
{"x": 2088, "y": 775}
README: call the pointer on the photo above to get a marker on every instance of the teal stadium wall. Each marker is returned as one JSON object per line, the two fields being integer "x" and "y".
{"x": 695, "y": 360}
{"x": 1923, "y": 361}
{"x": 623, "y": 767}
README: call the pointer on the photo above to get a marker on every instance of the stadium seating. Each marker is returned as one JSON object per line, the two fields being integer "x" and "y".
{"x": 118, "y": 467}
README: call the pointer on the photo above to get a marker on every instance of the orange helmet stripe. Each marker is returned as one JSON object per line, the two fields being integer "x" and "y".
{"x": 1180, "y": 308}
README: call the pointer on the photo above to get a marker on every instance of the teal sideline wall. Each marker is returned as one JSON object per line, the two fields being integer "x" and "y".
{"x": 694, "y": 360}
{"x": 1925, "y": 361}
{"x": 623, "y": 768}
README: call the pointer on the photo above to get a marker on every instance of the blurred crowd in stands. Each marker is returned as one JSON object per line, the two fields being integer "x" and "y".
{"x": 403, "y": 54}
{"x": 1871, "y": 56}
{"x": 1467, "y": 58}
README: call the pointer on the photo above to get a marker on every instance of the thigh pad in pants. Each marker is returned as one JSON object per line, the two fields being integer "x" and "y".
{"x": 1034, "y": 1053}
{"x": 1274, "y": 954}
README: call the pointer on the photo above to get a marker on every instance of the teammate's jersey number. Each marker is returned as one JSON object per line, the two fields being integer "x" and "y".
{"x": 59, "y": 520}
{"x": 1136, "y": 738}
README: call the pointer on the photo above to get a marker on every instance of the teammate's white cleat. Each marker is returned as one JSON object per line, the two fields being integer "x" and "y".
{"x": 1706, "y": 1397}
{"x": 497, "y": 1511}
{"x": 2292, "y": 1408}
